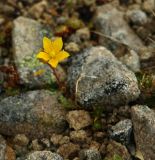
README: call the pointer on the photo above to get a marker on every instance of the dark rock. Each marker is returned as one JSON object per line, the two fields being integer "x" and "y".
{"x": 121, "y": 132}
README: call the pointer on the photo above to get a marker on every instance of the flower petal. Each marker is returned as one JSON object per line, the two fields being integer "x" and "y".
{"x": 57, "y": 44}
{"x": 43, "y": 56}
{"x": 53, "y": 63}
{"x": 62, "y": 55}
{"x": 47, "y": 44}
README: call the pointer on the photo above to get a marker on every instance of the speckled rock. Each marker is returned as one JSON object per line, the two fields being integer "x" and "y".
{"x": 121, "y": 132}
{"x": 110, "y": 21}
{"x": 68, "y": 151}
{"x": 143, "y": 119}
{"x": 116, "y": 151}
{"x": 78, "y": 119}
{"x": 27, "y": 37}
{"x": 34, "y": 113}
{"x": 137, "y": 17}
{"x": 97, "y": 78}
{"x": 41, "y": 155}
{"x": 89, "y": 154}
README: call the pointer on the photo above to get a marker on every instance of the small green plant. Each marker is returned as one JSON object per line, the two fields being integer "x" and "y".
{"x": 144, "y": 80}
{"x": 2, "y": 38}
{"x": 147, "y": 88}
{"x": 67, "y": 104}
{"x": 97, "y": 115}
{"x": 117, "y": 157}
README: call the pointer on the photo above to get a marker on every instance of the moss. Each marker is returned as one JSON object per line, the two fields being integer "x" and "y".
{"x": 30, "y": 62}
{"x": 12, "y": 91}
{"x": 37, "y": 69}
{"x": 67, "y": 104}
{"x": 115, "y": 157}
{"x": 2, "y": 38}
{"x": 97, "y": 125}
{"x": 144, "y": 80}
{"x": 147, "y": 87}
{"x": 74, "y": 23}
{"x": 97, "y": 115}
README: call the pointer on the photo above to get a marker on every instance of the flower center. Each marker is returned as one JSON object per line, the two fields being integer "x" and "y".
{"x": 52, "y": 54}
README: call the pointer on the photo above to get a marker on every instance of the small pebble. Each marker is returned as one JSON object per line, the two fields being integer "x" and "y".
{"x": 21, "y": 140}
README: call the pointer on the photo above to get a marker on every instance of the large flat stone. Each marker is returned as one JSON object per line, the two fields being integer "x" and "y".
{"x": 35, "y": 114}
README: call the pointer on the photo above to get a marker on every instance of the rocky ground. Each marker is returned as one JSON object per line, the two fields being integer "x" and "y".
{"x": 107, "y": 111}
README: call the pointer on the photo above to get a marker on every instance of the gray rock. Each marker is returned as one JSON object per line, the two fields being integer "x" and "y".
{"x": 27, "y": 42}
{"x": 35, "y": 114}
{"x": 2, "y": 148}
{"x": 89, "y": 154}
{"x": 143, "y": 119}
{"x": 110, "y": 21}
{"x": 78, "y": 119}
{"x": 137, "y": 17}
{"x": 131, "y": 60}
{"x": 121, "y": 132}
{"x": 97, "y": 78}
{"x": 42, "y": 155}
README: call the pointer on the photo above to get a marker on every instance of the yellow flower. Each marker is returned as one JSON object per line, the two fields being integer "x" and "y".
{"x": 53, "y": 53}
